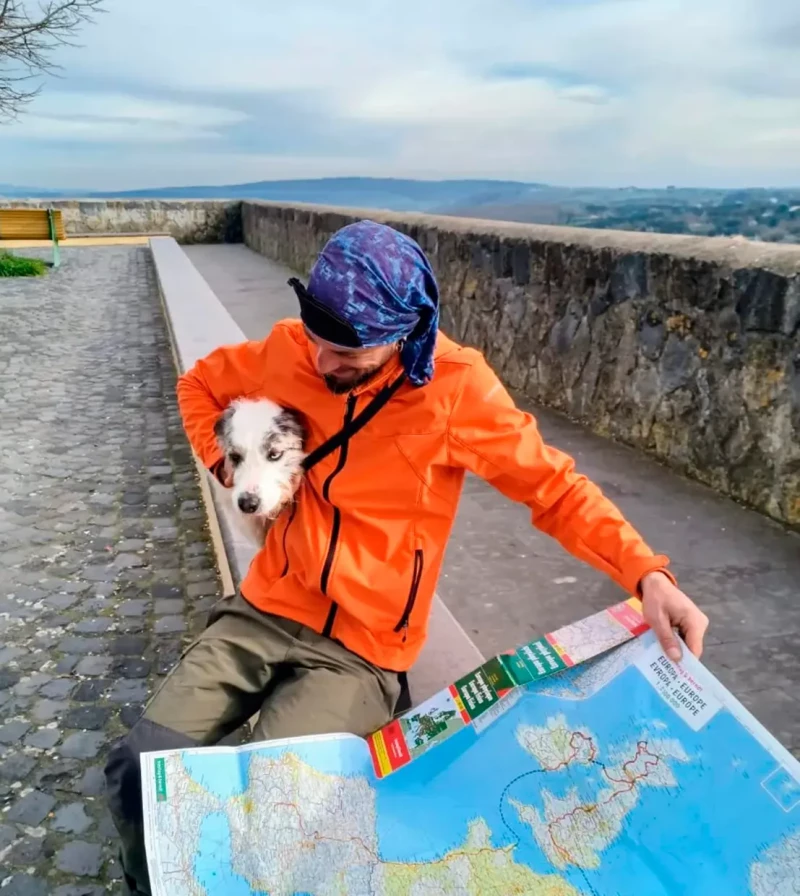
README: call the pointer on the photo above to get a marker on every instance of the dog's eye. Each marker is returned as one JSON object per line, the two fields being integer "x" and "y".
{"x": 235, "y": 458}
{"x": 273, "y": 454}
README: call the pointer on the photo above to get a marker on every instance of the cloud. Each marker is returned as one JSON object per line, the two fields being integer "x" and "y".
{"x": 120, "y": 118}
{"x": 575, "y": 91}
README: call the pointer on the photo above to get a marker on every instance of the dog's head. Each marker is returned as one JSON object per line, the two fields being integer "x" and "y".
{"x": 264, "y": 447}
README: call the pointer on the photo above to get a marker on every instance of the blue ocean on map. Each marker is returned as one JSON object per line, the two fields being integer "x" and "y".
{"x": 225, "y": 774}
{"x": 688, "y": 839}
{"x": 212, "y": 867}
{"x": 682, "y": 835}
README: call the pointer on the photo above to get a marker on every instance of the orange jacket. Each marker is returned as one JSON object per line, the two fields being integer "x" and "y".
{"x": 362, "y": 565}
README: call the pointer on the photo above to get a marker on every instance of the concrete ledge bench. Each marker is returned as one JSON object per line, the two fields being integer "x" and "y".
{"x": 199, "y": 323}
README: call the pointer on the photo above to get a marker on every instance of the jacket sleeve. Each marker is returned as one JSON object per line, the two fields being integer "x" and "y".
{"x": 205, "y": 390}
{"x": 490, "y": 436}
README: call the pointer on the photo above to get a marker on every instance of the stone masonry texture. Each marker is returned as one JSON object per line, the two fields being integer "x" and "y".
{"x": 188, "y": 221}
{"x": 686, "y": 348}
{"x": 88, "y": 427}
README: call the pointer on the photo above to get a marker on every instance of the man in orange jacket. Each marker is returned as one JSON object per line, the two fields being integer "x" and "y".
{"x": 334, "y": 608}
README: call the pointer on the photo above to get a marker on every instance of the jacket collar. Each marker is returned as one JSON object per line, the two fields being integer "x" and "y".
{"x": 387, "y": 374}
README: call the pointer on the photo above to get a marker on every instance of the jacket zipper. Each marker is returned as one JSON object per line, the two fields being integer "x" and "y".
{"x": 419, "y": 566}
{"x": 285, "y": 533}
{"x": 337, "y": 520}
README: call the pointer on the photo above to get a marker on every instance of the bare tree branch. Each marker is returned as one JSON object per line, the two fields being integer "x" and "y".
{"x": 29, "y": 33}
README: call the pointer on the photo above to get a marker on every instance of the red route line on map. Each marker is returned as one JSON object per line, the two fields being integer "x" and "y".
{"x": 574, "y": 754}
{"x": 315, "y": 837}
{"x": 627, "y": 784}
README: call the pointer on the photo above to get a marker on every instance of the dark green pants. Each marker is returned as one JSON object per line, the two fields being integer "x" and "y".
{"x": 246, "y": 663}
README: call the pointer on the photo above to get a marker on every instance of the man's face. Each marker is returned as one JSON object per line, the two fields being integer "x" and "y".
{"x": 344, "y": 369}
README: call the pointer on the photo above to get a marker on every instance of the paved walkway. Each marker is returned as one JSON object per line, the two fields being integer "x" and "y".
{"x": 505, "y": 582}
{"x": 105, "y": 563}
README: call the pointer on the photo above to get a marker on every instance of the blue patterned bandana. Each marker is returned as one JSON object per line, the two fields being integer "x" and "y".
{"x": 378, "y": 284}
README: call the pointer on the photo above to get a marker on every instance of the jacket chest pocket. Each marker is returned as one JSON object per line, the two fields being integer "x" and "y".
{"x": 379, "y": 480}
{"x": 416, "y": 579}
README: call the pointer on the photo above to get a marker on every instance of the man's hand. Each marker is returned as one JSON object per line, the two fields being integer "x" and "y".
{"x": 666, "y": 608}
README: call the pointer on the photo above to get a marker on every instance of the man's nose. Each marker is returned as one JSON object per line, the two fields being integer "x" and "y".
{"x": 248, "y": 502}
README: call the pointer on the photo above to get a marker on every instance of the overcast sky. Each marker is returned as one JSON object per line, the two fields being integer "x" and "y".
{"x": 606, "y": 92}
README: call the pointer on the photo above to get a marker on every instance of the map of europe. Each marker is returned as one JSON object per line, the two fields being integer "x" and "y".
{"x": 623, "y": 776}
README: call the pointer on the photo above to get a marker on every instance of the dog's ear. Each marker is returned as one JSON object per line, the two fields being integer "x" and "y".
{"x": 290, "y": 423}
{"x": 223, "y": 425}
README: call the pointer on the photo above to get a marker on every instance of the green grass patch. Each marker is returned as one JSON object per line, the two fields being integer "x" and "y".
{"x": 14, "y": 266}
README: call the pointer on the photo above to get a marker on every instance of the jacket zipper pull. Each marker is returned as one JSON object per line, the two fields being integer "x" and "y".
{"x": 405, "y": 631}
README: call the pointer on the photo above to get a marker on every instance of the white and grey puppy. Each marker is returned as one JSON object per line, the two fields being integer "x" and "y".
{"x": 263, "y": 443}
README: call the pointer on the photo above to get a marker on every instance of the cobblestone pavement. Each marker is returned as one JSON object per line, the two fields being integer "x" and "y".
{"x": 105, "y": 567}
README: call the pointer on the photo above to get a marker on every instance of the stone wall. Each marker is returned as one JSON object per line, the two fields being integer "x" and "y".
{"x": 684, "y": 347}
{"x": 188, "y": 221}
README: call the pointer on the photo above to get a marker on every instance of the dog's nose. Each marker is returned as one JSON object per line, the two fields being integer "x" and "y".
{"x": 248, "y": 502}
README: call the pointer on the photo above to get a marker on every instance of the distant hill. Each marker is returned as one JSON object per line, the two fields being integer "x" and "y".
{"x": 395, "y": 194}
{"x": 763, "y": 214}
{"x": 12, "y": 191}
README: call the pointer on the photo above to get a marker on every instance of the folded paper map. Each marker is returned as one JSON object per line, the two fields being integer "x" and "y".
{"x": 585, "y": 763}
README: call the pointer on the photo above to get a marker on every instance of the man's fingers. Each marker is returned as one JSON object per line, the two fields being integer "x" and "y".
{"x": 694, "y": 630}
{"x": 665, "y": 608}
{"x": 666, "y": 637}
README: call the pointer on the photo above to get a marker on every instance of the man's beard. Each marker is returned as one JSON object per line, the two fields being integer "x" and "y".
{"x": 342, "y": 388}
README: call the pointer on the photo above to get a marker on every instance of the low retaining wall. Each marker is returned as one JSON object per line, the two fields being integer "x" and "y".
{"x": 187, "y": 221}
{"x": 684, "y": 347}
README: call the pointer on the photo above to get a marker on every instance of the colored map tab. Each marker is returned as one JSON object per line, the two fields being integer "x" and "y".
{"x": 432, "y": 722}
{"x": 388, "y": 749}
{"x": 498, "y": 675}
{"x": 380, "y": 758}
{"x": 561, "y": 651}
{"x": 516, "y": 668}
{"x": 476, "y": 693}
{"x": 453, "y": 690}
{"x": 541, "y": 659}
{"x": 396, "y": 745}
{"x": 161, "y": 780}
{"x": 629, "y": 614}
{"x": 532, "y": 663}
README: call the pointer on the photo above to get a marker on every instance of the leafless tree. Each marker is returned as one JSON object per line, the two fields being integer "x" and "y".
{"x": 30, "y": 30}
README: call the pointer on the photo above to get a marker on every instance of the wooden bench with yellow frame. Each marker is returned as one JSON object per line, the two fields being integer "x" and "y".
{"x": 33, "y": 224}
